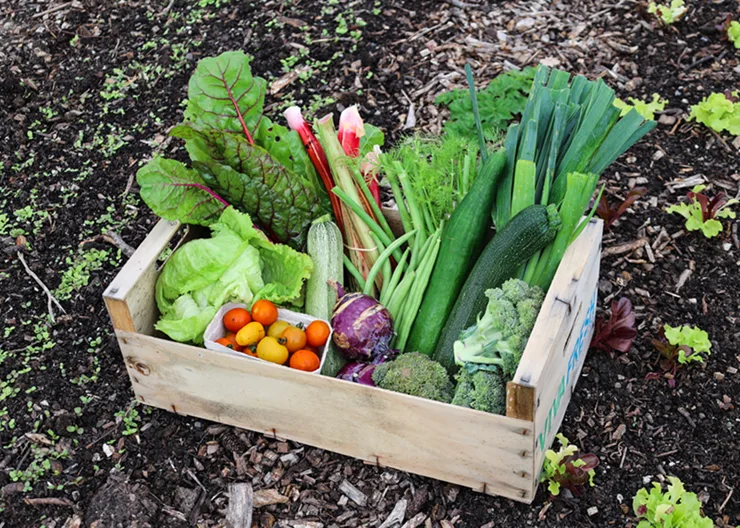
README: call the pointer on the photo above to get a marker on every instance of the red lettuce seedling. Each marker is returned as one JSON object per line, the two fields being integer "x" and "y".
{"x": 568, "y": 468}
{"x": 618, "y": 333}
{"x": 610, "y": 213}
{"x": 702, "y": 213}
{"x": 679, "y": 346}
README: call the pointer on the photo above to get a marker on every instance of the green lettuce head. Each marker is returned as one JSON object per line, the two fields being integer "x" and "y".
{"x": 237, "y": 264}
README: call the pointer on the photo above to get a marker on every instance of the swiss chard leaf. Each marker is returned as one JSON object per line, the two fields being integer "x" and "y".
{"x": 610, "y": 213}
{"x": 175, "y": 192}
{"x": 253, "y": 181}
{"x": 223, "y": 94}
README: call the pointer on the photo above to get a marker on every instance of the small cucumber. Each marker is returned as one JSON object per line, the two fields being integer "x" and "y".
{"x": 463, "y": 238}
{"x": 530, "y": 231}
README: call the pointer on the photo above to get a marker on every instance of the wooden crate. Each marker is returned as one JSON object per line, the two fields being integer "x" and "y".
{"x": 497, "y": 455}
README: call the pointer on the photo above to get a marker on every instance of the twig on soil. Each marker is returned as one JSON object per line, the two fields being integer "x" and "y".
{"x": 727, "y": 499}
{"x": 52, "y": 9}
{"x": 111, "y": 238}
{"x": 705, "y": 59}
{"x": 627, "y": 247}
{"x": 51, "y": 501}
{"x": 192, "y": 476}
{"x": 686, "y": 415}
{"x": 51, "y": 300}
{"x": 241, "y": 502}
{"x": 166, "y": 9}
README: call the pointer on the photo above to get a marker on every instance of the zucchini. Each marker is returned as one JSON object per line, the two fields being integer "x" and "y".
{"x": 527, "y": 233}
{"x": 324, "y": 246}
{"x": 462, "y": 240}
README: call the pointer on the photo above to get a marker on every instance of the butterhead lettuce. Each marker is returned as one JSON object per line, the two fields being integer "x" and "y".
{"x": 236, "y": 264}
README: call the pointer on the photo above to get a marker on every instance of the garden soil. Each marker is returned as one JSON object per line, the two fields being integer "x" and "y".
{"x": 88, "y": 91}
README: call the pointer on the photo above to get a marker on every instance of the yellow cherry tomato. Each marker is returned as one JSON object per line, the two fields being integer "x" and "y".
{"x": 250, "y": 334}
{"x": 277, "y": 328}
{"x": 270, "y": 350}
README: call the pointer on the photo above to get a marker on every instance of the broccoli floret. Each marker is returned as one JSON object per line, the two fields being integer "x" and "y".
{"x": 501, "y": 333}
{"x": 480, "y": 387}
{"x": 415, "y": 374}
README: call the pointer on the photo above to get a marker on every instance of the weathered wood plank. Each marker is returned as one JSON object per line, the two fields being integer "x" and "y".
{"x": 486, "y": 452}
{"x": 130, "y": 296}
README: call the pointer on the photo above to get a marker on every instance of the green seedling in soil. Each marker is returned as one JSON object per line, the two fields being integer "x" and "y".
{"x": 77, "y": 275}
{"x": 568, "y": 468}
{"x": 668, "y": 14}
{"x": 610, "y": 213}
{"x": 503, "y": 99}
{"x": 719, "y": 111}
{"x": 675, "y": 507}
{"x": 733, "y": 33}
{"x": 702, "y": 213}
{"x": 646, "y": 109}
{"x": 130, "y": 418}
{"x": 679, "y": 346}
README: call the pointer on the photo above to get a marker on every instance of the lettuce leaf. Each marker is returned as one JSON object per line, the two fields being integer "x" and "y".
{"x": 237, "y": 263}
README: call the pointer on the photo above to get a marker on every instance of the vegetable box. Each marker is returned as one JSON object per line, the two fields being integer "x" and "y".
{"x": 497, "y": 455}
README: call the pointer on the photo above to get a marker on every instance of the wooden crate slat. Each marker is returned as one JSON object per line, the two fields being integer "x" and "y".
{"x": 130, "y": 297}
{"x": 482, "y": 451}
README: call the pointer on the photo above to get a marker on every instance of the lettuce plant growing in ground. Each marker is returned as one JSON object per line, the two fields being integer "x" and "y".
{"x": 568, "y": 468}
{"x": 646, "y": 109}
{"x": 719, "y": 111}
{"x": 618, "y": 333}
{"x": 679, "y": 346}
{"x": 668, "y": 14}
{"x": 610, "y": 213}
{"x": 702, "y": 213}
{"x": 733, "y": 33}
{"x": 676, "y": 507}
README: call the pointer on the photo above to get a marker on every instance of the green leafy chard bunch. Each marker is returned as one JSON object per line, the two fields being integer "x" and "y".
{"x": 676, "y": 507}
{"x": 239, "y": 157}
{"x": 702, "y": 212}
{"x": 568, "y": 468}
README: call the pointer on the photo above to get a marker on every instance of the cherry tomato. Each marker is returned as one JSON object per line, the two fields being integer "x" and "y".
{"x": 317, "y": 333}
{"x": 293, "y": 338}
{"x": 224, "y": 341}
{"x": 270, "y": 350}
{"x": 236, "y": 319}
{"x": 265, "y": 312}
{"x": 305, "y": 360}
{"x": 231, "y": 336}
{"x": 250, "y": 334}
{"x": 276, "y": 329}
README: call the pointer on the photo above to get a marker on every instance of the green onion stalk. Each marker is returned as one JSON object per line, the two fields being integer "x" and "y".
{"x": 570, "y": 132}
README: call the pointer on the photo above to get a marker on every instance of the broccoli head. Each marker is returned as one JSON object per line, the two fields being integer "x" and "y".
{"x": 415, "y": 374}
{"x": 480, "y": 387}
{"x": 501, "y": 333}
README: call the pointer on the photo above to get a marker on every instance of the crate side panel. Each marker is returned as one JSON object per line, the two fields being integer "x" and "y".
{"x": 130, "y": 296}
{"x": 564, "y": 367}
{"x": 485, "y": 452}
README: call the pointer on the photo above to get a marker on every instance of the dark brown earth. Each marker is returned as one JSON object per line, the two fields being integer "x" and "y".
{"x": 87, "y": 93}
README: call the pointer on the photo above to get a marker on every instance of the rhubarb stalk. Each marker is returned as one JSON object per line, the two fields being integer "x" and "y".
{"x": 318, "y": 157}
{"x": 362, "y": 248}
{"x": 351, "y": 130}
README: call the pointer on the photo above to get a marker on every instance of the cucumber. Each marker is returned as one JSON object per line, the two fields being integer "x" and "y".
{"x": 462, "y": 240}
{"x": 324, "y": 246}
{"x": 530, "y": 231}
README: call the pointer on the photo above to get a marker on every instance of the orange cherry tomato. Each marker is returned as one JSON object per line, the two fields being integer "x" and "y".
{"x": 293, "y": 338}
{"x": 231, "y": 336}
{"x": 225, "y": 341}
{"x": 250, "y": 350}
{"x": 236, "y": 319}
{"x": 317, "y": 333}
{"x": 305, "y": 360}
{"x": 265, "y": 312}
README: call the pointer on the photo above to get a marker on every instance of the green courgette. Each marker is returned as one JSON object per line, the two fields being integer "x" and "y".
{"x": 324, "y": 246}
{"x": 462, "y": 240}
{"x": 527, "y": 233}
